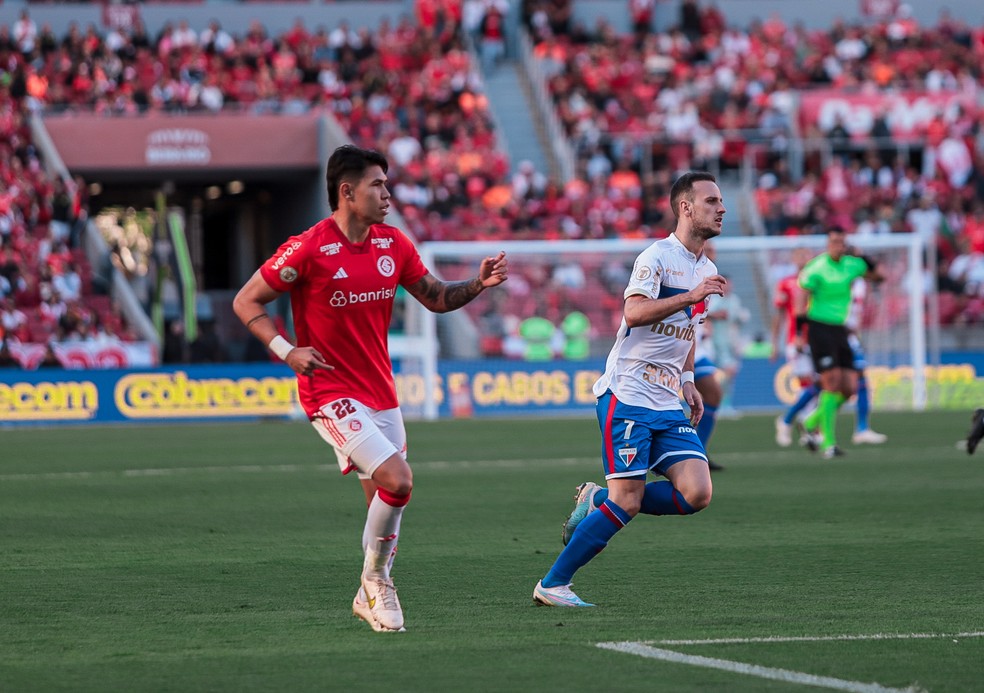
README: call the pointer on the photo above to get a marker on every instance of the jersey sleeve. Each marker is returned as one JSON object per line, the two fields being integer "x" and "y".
{"x": 782, "y": 297}
{"x": 646, "y": 278}
{"x": 286, "y": 267}
{"x": 413, "y": 268}
{"x": 808, "y": 276}
{"x": 861, "y": 267}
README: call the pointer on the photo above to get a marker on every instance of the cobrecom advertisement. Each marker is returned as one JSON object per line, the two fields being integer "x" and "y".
{"x": 461, "y": 389}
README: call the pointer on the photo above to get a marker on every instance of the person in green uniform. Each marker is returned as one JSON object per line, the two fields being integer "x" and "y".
{"x": 821, "y": 313}
{"x": 538, "y": 334}
{"x": 576, "y": 328}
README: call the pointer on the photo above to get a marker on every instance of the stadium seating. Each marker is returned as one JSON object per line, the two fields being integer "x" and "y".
{"x": 637, "y": 106}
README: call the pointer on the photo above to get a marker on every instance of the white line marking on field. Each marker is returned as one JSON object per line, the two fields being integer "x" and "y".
{"x": 785, "y": 675}
{"x": 820, "y": 638}
{"x": 434, "y": 465}
{"x": 439, "y": 465}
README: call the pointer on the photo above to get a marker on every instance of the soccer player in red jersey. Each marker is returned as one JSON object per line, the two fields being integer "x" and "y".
{"x": 342, "y": 275}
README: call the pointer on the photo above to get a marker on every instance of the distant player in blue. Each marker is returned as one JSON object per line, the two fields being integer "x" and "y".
{"x": 705, "y": 378}
{"x": 863, "y": 433}
{"x": 643, "y": 426}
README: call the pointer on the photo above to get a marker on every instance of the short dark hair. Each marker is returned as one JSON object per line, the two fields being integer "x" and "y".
{"x": 347, "y": 164}
{"x": 684, "y": 187}
{"x": 836, "y": 229}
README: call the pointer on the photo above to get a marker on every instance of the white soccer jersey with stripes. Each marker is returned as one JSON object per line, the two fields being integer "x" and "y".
{"x": 644, "y": 366}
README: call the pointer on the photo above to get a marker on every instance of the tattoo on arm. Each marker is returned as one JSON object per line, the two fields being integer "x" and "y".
{"x": 457, "y": 294}
{"x": 446, "y": 296}
{"x": 256, "y": 318}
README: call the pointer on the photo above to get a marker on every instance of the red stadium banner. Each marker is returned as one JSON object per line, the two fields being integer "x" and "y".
{"x": 84, "y": 355}
{"x": 193, "y": 142}
{"x": 879, "y": 9}
{"x": 908, "y": 113}
{"x": 120, "y": 16}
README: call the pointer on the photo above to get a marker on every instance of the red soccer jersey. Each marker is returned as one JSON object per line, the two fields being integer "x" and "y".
{"x": 342, "y": 299}
{"x": 785, "y": 300}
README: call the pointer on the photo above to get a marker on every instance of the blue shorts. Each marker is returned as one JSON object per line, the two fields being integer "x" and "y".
{"x": 704, "y": 367}
{"x": 636, "y": 440}
{"x": 857, "y": 351}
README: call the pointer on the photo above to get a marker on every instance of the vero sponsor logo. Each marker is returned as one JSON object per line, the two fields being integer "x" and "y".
{"x": 279, "y": 262}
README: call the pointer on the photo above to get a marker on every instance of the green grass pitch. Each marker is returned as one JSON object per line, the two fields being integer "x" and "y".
{"x": 225, "y": 558}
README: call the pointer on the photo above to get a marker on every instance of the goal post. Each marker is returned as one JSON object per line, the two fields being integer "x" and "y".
{"x": 552, "y": 279}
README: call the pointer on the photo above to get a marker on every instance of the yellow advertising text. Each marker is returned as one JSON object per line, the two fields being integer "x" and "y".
{"x": 156, "y": 395}
{"x": 44, "y": 401}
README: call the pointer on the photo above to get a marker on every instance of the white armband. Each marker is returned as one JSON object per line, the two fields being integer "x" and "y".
{"x": 686, "y": 377}
{"x": 281, "y": 347}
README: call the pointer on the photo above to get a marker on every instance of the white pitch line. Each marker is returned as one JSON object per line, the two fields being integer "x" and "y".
{"x": 440, "y": 465}
{"x": 751, "y": 669}
{"x": 819, "y": 638}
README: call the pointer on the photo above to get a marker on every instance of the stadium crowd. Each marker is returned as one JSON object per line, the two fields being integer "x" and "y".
{"x": 638, "y": 106}
{"x": 47, "y": 291}
{"x": 708, "y": 94}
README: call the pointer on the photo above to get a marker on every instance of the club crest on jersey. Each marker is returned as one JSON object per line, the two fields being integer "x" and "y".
{"x": 355, "y": 425}
{"x": 696, "y": 309}
{"x": 288, "y": 274}
{"x": 627, "y": 455}
{"x": 386, "y": 266}
{"x": 644, "y": 273}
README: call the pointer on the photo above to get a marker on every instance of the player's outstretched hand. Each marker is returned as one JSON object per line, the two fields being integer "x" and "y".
{"x": 713, "y": 284}
{"x": 493, "y": 270}
{"x": 307, "y": 360}
{"x": 694, "y": 401}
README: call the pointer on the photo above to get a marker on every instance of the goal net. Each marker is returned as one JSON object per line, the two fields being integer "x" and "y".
{"x": 563, "y": 300}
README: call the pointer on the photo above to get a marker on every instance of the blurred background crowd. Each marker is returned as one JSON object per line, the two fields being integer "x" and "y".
{"x": 635, "y": 106}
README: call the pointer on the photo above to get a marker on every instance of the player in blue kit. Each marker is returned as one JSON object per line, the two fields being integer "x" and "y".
{"x": 643, "y": 426}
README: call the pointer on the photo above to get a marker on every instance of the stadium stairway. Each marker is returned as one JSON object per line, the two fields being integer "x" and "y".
{"x": 512, "y": 110}
{"x": 742, "y": 268}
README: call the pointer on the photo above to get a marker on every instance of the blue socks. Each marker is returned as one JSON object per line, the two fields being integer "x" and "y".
{"x": 863, "y": 405}
{"x": 706, "y": 425}
{"x": 660, "y": 498}
{"x": 590, "y": 537}
{"x": 806, "y": 396}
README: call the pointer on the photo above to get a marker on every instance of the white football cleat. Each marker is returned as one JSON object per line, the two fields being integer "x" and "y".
{"x": 381, "y": 605}
{"x": 868, "y": 436}
{"x": 784, "y": 433}
{"x": 561, "y": 595}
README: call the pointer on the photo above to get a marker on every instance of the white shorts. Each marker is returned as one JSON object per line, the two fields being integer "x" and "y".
{"x": 800, "y": 362}
{"x": 363, "y": 438}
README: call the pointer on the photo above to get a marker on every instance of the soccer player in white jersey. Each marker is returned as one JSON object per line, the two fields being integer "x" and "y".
{"x": 342, "y": 275}
{"x": 643, "y": 426}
